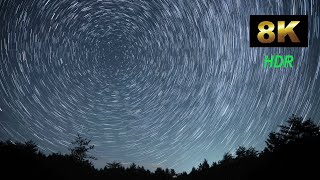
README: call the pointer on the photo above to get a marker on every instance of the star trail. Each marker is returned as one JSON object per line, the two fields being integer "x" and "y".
{"x": 159, "y": 83}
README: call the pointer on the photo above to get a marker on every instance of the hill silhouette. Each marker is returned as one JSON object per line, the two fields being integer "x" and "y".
{"x": 290, "y": 153}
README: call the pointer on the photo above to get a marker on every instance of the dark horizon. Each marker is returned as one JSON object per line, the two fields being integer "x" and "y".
{"x": 291, "y": 152}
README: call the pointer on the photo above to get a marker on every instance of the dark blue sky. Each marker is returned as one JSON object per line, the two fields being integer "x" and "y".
{"x": 159, "y": 83}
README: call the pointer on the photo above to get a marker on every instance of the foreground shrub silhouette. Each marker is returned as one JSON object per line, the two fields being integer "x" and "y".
{"x": 290, "y": 153}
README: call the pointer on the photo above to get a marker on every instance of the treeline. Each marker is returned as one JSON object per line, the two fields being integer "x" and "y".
{"x": 291, "y": 153}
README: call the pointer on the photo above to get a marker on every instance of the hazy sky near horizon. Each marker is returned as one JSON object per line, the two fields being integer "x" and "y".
{"x": 159, "y": 83}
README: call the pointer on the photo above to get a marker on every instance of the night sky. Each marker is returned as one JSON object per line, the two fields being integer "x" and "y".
{"x": 160, "y": 83}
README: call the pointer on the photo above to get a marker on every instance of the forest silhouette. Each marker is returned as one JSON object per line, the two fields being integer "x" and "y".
{"x": 290, "y": 153}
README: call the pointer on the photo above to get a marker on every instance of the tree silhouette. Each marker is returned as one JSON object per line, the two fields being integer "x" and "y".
{"x": 242, "y": 152}
{"x": 81, "y": 148}
{"x": 204, "y": 166}
{"x": 133, "y": 166}
{"x": 114, "y": 165}
{"x": 274, "y": 141}
{"x": 227, "y": 158}
{"x": 172, "y": 173}
{"x": 296, "y": 130}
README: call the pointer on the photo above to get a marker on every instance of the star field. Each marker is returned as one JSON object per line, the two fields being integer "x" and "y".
{"x": 159, "y": 83}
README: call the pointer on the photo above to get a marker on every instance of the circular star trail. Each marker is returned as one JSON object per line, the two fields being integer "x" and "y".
{"x": 159, "y": 83}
